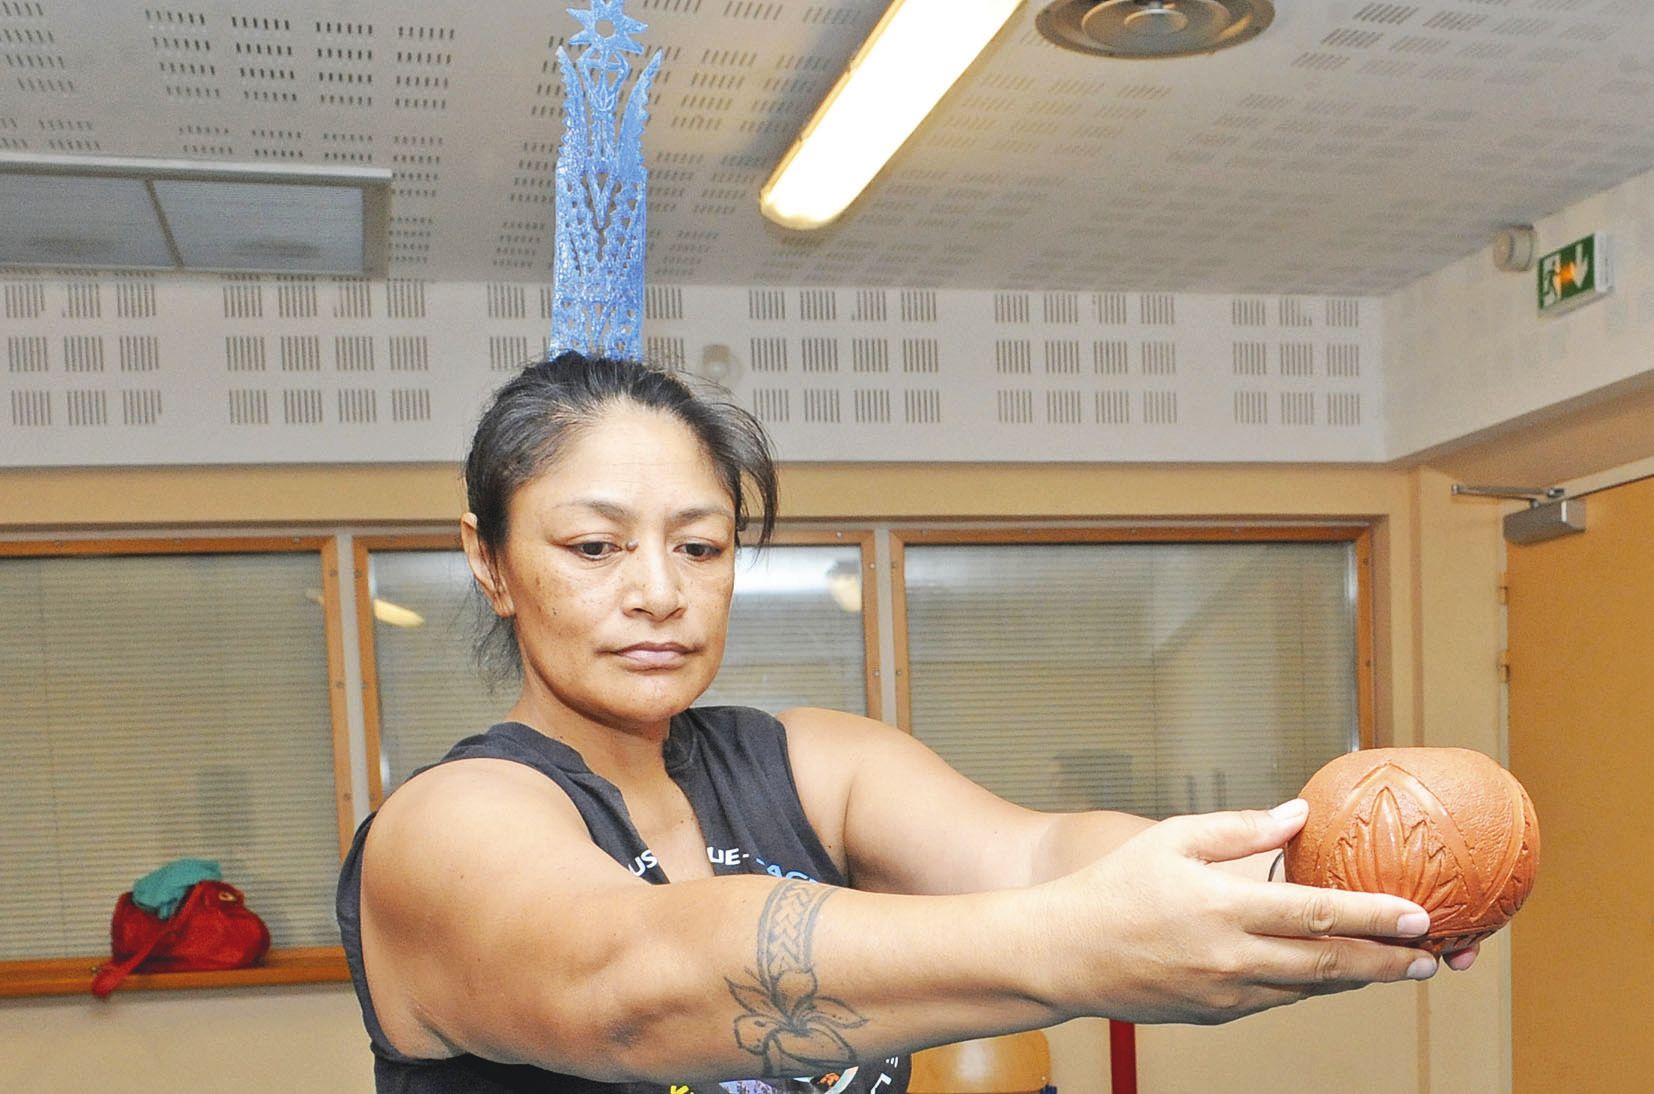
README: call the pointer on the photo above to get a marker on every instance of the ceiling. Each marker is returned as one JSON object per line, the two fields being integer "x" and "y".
{"x": 1351, "y": 148}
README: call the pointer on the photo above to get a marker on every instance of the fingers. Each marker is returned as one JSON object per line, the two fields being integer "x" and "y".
{"x": 1323, "y": 966}
{"x": 1222, "y": 837}
{"x": 1461, "y": 960}
{"x": 1304, "y": 911}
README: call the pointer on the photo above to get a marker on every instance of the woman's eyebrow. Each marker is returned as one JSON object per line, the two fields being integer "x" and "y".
{"x": 615, "y": 511}
{"x": 609, "y": 509}
{"x": 696, "y": 512}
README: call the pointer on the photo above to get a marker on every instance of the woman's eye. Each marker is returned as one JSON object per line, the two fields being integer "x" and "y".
{"x": 702, "y": 550}
{"x": 593, "y": 549}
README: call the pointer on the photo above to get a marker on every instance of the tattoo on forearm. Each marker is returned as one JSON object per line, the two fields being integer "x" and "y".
{"x": 785, "y": 1021}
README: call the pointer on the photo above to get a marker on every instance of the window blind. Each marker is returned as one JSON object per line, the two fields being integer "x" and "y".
{"x": 160, "y": 707}
{"x": 795, "y": 631}
{"x": 791, "y": 643}
{"x": 430, "y": 691}
{"x": 1151, "y": 678}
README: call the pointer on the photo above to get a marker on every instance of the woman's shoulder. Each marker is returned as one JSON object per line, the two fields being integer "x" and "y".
{"x": 469, "y": 790}
{"x": 837, "y": 726}
{"x": 824, "y": 735}
{"x": 505, "y": 776}
{"x": 512, "y": 741}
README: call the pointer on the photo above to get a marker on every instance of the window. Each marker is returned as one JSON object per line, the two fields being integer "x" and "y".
{"x": 171, "y": 698}
{"x": 799, "y": 635}
{"x": 1152, "y": 677}
{"x": 418, "y": 622}
{"x": 166, "y": 699}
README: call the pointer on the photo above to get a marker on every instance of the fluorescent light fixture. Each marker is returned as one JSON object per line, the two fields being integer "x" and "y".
{"x": 917, "y": 51}
{"x": 263, "y": 225}
{"x": 81, "y": 221}
{"x": 385, "y": 611}
{"x": 104, "y": 212}
{"x": 844, "y": 584}
{"x": 395, "y": 614}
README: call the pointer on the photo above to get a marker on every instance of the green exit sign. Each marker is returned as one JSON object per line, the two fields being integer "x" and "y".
{"x": 1576, "y": 274}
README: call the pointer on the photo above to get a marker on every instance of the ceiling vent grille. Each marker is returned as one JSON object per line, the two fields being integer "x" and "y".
{"x": 1153, "y": 28}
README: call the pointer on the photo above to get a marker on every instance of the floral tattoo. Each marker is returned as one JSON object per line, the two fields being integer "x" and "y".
{"x": 784, "y": 1020}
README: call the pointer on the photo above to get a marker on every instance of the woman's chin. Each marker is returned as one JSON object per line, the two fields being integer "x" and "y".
{"x": 654, "y": 699}
{"x": 621, "y": 697}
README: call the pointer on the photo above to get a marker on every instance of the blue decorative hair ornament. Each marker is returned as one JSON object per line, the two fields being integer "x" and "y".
{"x": 602, "y": 189}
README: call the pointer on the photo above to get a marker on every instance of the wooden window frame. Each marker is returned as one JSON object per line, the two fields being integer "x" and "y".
{"x": 865, "y": 540}
{"x": 363, "y": 546}
{"x": 1360, "y": 536}
{"x": 293, "y": 965}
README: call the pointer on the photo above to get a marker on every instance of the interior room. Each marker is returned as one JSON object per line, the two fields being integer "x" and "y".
{"x": 1293, "y": 385}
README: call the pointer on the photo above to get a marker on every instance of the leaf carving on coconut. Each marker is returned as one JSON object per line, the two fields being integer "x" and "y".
{"x": 1383, "y": 855}
{"x": 1515, "y": 889}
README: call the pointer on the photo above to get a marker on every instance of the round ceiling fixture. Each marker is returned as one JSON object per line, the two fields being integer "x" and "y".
{"x": 1153, "y": 28}
{"x": 1513, "y": 248}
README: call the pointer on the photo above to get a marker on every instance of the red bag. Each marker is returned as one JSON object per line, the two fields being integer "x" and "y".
{"x": 212, "y": 929}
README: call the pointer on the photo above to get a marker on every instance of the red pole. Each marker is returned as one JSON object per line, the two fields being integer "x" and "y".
{"x": 1122, "y": 1057}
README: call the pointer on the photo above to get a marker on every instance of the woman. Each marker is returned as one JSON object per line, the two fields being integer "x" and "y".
{"x": 838, "y": 894}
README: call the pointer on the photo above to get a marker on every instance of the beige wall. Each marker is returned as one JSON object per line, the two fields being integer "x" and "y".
{"x": 272, "y": 1041}
{"x": 1436, "y": 567}
{"x": 1466, "y": 351}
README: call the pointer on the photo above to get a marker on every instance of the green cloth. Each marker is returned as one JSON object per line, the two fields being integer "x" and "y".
{"x": 161, "y": 892}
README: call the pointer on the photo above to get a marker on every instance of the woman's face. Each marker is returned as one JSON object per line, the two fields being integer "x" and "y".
{"x": 618, "y": 568}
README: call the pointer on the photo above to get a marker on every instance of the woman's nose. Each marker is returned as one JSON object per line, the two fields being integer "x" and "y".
{"x": 653, "y": 584}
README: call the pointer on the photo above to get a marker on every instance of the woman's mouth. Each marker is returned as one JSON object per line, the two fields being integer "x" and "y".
{"x": 654, "y": 655}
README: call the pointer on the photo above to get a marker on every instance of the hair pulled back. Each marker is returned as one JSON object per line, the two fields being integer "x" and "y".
{"x": 539, "y": 412}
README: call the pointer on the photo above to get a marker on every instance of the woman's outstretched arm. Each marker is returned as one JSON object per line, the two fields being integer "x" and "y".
{"x": 492, "y": 925}
{"x": 900, "y": 819}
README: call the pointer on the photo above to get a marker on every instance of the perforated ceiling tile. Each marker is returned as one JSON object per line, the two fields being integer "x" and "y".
{"x": 1043, "y": 169}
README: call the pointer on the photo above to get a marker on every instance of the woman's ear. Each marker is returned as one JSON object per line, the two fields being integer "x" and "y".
{"x": 481, "y": 561}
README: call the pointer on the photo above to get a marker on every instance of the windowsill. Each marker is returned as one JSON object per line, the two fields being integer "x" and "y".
{"x": 73, "y": 975}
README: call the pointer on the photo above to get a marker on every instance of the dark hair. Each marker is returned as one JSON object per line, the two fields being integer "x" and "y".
{"x": 540, "y": 410}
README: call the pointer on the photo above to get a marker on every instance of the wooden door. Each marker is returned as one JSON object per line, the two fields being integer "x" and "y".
{"x": 1581, "y": 637}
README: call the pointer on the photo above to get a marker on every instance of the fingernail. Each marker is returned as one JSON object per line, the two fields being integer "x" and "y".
{"x": 1422, "y": 968}
{"x": 1291, "y": 810}
{"x": 1413, "y": 923}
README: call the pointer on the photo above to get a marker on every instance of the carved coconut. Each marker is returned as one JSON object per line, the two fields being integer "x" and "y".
{"x": 1447, "y": 828}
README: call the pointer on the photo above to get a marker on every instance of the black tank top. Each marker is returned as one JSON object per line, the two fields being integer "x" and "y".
{"x": 732, "y": 765}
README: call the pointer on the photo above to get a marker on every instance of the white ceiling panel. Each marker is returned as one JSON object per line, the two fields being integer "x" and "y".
{"x": 1350, "y": 148}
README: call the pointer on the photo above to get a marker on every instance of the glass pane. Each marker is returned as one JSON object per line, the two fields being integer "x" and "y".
{"x": 795, "y": 639}
{"x": 431, "y": 693}
{"x": 1152, "y": 678}
{"x": 795, "y": 632}
{"x": 154, "y": 708}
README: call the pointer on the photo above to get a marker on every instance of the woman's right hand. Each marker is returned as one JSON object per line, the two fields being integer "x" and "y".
{"x": 1152, "y": 932}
